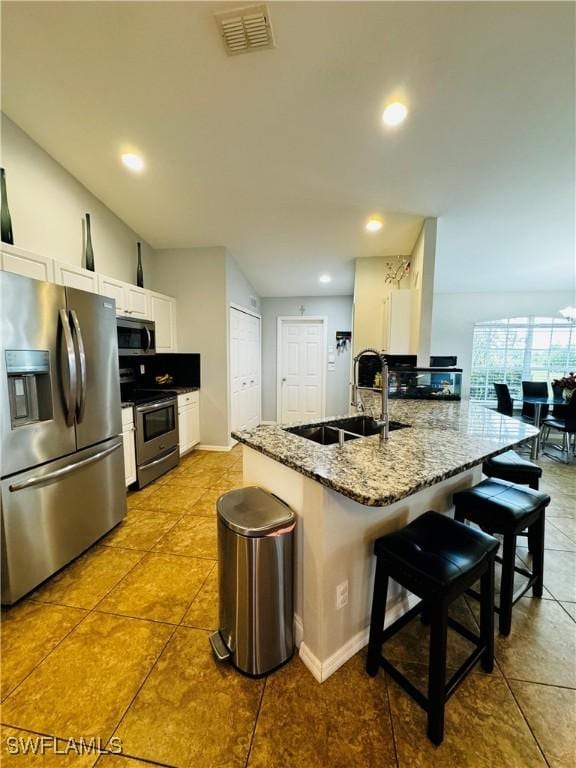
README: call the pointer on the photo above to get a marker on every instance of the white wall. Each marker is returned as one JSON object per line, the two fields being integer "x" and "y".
{"x": 454, "y": 316}
{"x": 47, "y": 206}
{"x": 338, "y": 310}
{"x": 196, "y": 277}
{"x": 239, "y": 289}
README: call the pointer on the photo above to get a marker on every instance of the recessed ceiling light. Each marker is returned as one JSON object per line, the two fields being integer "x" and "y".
{"x": 325, "y": 279}
{"x": 374, "y": 223}
{"x": 132, "y": 161}
{"x": 394, "y": 114}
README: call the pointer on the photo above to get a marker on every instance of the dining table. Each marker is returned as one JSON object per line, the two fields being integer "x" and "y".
{"x": 538, "y": 402}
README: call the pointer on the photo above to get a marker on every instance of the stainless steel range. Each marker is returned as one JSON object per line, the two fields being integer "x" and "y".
{"x": 156, "y": 425}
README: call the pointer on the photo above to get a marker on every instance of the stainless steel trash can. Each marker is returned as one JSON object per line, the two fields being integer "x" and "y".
{"x": 255, "y": 562}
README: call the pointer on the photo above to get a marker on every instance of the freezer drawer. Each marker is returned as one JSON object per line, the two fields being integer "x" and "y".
{"x": 49, "y": 515}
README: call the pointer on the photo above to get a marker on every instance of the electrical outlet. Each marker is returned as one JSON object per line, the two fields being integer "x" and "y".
{"x": 342, "y": 595}
{"x": 142, "y": 369}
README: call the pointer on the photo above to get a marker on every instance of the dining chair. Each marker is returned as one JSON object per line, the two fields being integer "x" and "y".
{"x": 567, "y": 426}
{"x": 534, "y": 389}
{"x": 505, "y": 403}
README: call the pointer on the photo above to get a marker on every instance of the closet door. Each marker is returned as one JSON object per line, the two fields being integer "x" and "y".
{"x": 245, "y": 385}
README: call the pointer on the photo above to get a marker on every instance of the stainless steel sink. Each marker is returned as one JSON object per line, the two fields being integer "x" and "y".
{"x": 354, "y": 427}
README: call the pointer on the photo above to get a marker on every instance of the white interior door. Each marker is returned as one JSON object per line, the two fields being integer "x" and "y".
{"x": 245, "y": 384}
{"x": 301, "y": 354}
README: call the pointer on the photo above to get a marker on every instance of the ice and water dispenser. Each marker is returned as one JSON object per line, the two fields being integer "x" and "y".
{"x": 29, "y": 390}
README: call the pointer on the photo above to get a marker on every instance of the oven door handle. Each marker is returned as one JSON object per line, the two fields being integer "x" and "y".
{"x": 153, "y": 406}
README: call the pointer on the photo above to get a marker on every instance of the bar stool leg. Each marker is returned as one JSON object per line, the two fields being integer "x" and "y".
{"x": 536, "y": 531}
{"x": 507, "y": 585}
{"x": 437, "y": 672}
{"x": 487, "y": 616}
{"x": 534, "y": 484}
{"x": 377, "y": 618}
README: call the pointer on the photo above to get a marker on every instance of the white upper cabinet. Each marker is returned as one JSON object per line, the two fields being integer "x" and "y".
{"x": 108, "y": 286}
{"x": 75, "y": 277}
{"x": 397, "y": 321}
{"x": 163, "y": 312}
{"x": 138, "y": 302}
{"x": 130, "y": 300}
{"x": 27, "y": 264}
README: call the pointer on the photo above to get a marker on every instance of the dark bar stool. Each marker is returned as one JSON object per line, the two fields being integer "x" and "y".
{"x": 438, "y": 560}
{"x": 500, "y": 507}
{"x": 513, "y": 468}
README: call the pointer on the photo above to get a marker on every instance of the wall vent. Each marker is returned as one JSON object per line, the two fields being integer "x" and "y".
{"x": 245, "y": 29}
{"x": 254, "y": 302}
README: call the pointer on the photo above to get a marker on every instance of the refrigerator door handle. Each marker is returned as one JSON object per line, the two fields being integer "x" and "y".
{"x": 58, "y": 473}
{"x": 70, "y": 396}
{"x": 81, "y": 404}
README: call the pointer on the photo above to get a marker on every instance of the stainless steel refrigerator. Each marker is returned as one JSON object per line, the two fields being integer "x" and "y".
{"x": 61, "y": 462}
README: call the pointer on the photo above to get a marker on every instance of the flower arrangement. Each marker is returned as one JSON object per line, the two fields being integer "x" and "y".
{"x": 567, "y": 384}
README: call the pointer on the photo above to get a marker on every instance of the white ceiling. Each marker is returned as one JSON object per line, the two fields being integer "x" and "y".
{"x": 280, "y": 155}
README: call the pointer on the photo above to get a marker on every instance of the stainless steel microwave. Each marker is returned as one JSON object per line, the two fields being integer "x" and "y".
{"x": 136, "y": 337}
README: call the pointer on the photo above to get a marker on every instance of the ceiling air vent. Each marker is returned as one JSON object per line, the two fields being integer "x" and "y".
{"x": 245, "y": 29}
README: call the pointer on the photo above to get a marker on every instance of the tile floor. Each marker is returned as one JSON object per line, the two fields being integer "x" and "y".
{"x": 115, "y": 647}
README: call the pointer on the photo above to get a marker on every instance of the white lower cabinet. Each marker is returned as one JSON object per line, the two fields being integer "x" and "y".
{"x": 129, "y": 446}
{"x": 188, "y": 421}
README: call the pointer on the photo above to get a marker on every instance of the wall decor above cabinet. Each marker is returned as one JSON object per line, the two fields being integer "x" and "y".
{"x": 5, "y": 219}
{"x": 89, "y": 250}
{"x": 139, "y": 270}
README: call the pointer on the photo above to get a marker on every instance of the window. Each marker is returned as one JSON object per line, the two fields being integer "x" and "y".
{"x": 520, "y": 349}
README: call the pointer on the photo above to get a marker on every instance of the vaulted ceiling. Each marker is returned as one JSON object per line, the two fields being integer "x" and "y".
{"x": 280, "y": 155}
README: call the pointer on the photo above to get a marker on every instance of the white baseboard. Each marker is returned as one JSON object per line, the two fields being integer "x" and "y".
{"x": 298, "y": 631}
{"x": 223, "y": 448}
{"x": 323, "y": 670}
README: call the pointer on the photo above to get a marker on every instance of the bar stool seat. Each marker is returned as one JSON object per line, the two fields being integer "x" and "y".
{"x": 513, "y": 468}
{"x": 437, "y": 559}
{"x": 499, "y": 507}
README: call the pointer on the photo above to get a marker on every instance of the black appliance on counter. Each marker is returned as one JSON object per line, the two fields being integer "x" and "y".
{"x": 156, "y": 427}
{"x": 408, "y": 382}
{"x": 370, "y": 365}
{"x": 443, "y": 361}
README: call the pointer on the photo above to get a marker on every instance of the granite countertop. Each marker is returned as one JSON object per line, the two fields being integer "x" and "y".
{"x": 183, "y": 390}
{"x": 443, "y": 440}
{"x": 127, "y": 404}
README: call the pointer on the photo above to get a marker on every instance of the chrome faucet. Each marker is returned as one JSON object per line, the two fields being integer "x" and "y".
{"x": 383, "y": 421}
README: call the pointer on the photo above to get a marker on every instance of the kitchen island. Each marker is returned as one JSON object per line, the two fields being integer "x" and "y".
{"x": 347, "y": 496}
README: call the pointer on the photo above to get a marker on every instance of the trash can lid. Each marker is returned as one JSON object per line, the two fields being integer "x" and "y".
{"x": 253, "y": 512}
